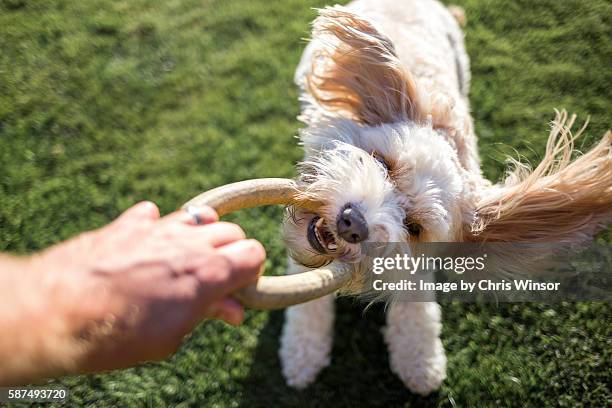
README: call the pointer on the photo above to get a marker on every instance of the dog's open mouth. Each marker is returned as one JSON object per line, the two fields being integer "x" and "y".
{"x": 320, "y": 237}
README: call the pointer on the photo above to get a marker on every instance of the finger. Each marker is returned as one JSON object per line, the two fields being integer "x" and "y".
{"x": 246, "y": 260}
{"x": 142, "y": 210}
{"x": 229, "y": 310}
{"x": 220, "y": 233}
{"x": 205, "y": 214}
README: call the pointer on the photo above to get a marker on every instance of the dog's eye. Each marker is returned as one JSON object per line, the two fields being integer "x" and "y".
{"x": 413, "y": 228}
{"x": 381, "y": 160}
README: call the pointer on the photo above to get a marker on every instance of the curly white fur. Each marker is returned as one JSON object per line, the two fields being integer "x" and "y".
{"x": 384, "y": 93}
{"x": 416, "y": 352}
{"x": 339, "y": 168}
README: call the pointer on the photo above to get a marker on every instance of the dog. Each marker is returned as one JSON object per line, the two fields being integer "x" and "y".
{"x": 390, "y": 151}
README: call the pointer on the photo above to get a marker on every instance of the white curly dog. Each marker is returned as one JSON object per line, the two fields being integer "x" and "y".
{"x": 390, "y": 151}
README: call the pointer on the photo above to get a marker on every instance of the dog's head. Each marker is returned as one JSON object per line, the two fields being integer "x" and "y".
{"x": 383, "y": 161}
{"x": 386, "y": 161}
{"x": 386, "y": 183}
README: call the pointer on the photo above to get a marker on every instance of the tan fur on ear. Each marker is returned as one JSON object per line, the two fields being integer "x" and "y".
{"x": 459, "y": 14}
{"x": 560, "y": 201}
{"x": 360, "y": 76}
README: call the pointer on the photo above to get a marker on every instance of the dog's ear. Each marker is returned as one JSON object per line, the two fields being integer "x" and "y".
{"x": 560, "y": 201}
{"x": 357, "y": 74}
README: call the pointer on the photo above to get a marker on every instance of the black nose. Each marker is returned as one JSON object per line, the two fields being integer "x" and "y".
{"x": 352, "y": 226}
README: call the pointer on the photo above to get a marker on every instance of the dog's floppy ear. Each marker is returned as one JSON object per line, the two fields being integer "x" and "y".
{"x": 357, "y": 73}
{"x": 560, "y": 201}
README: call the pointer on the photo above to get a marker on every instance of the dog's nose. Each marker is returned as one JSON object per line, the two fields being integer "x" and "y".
{"x": 351, "y": 224}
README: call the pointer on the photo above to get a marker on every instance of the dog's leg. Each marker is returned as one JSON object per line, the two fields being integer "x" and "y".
{"x": 415, "y": 350}
{"x": 306, "y": 341}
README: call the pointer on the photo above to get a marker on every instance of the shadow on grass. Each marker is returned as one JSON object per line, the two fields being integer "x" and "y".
{"x": 358, "y": 375}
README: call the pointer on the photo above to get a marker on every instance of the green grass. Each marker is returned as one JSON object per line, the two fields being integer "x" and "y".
{"x": 106, "y": 103}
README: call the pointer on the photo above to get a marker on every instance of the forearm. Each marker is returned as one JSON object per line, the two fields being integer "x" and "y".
{"x": 36, "y": 341}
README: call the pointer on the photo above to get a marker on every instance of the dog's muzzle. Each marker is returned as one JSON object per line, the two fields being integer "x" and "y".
{"x": 351, "y": 225}
{"x": 273, "y": 292}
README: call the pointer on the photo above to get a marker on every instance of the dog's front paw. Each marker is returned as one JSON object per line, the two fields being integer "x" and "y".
{"x": 415, "y": 351}
{"x": 306, "y": 341}
{"x": 302, "y": 363}
{"x": 421, "y": 375}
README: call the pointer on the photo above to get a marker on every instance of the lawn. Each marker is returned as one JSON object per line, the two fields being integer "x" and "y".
{"x": 106, "y": 103}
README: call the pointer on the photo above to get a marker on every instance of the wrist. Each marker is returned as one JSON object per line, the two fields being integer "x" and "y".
{"x": 42, "y": 343}
{"x": 80, "y": 307}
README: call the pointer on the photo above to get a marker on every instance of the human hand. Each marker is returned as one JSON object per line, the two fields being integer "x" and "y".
{"x": 131, "y": 291}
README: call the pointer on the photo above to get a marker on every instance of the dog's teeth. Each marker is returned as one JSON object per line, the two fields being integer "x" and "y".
{"x": 320, "y": 222}
{"x": 332, "y": 247}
